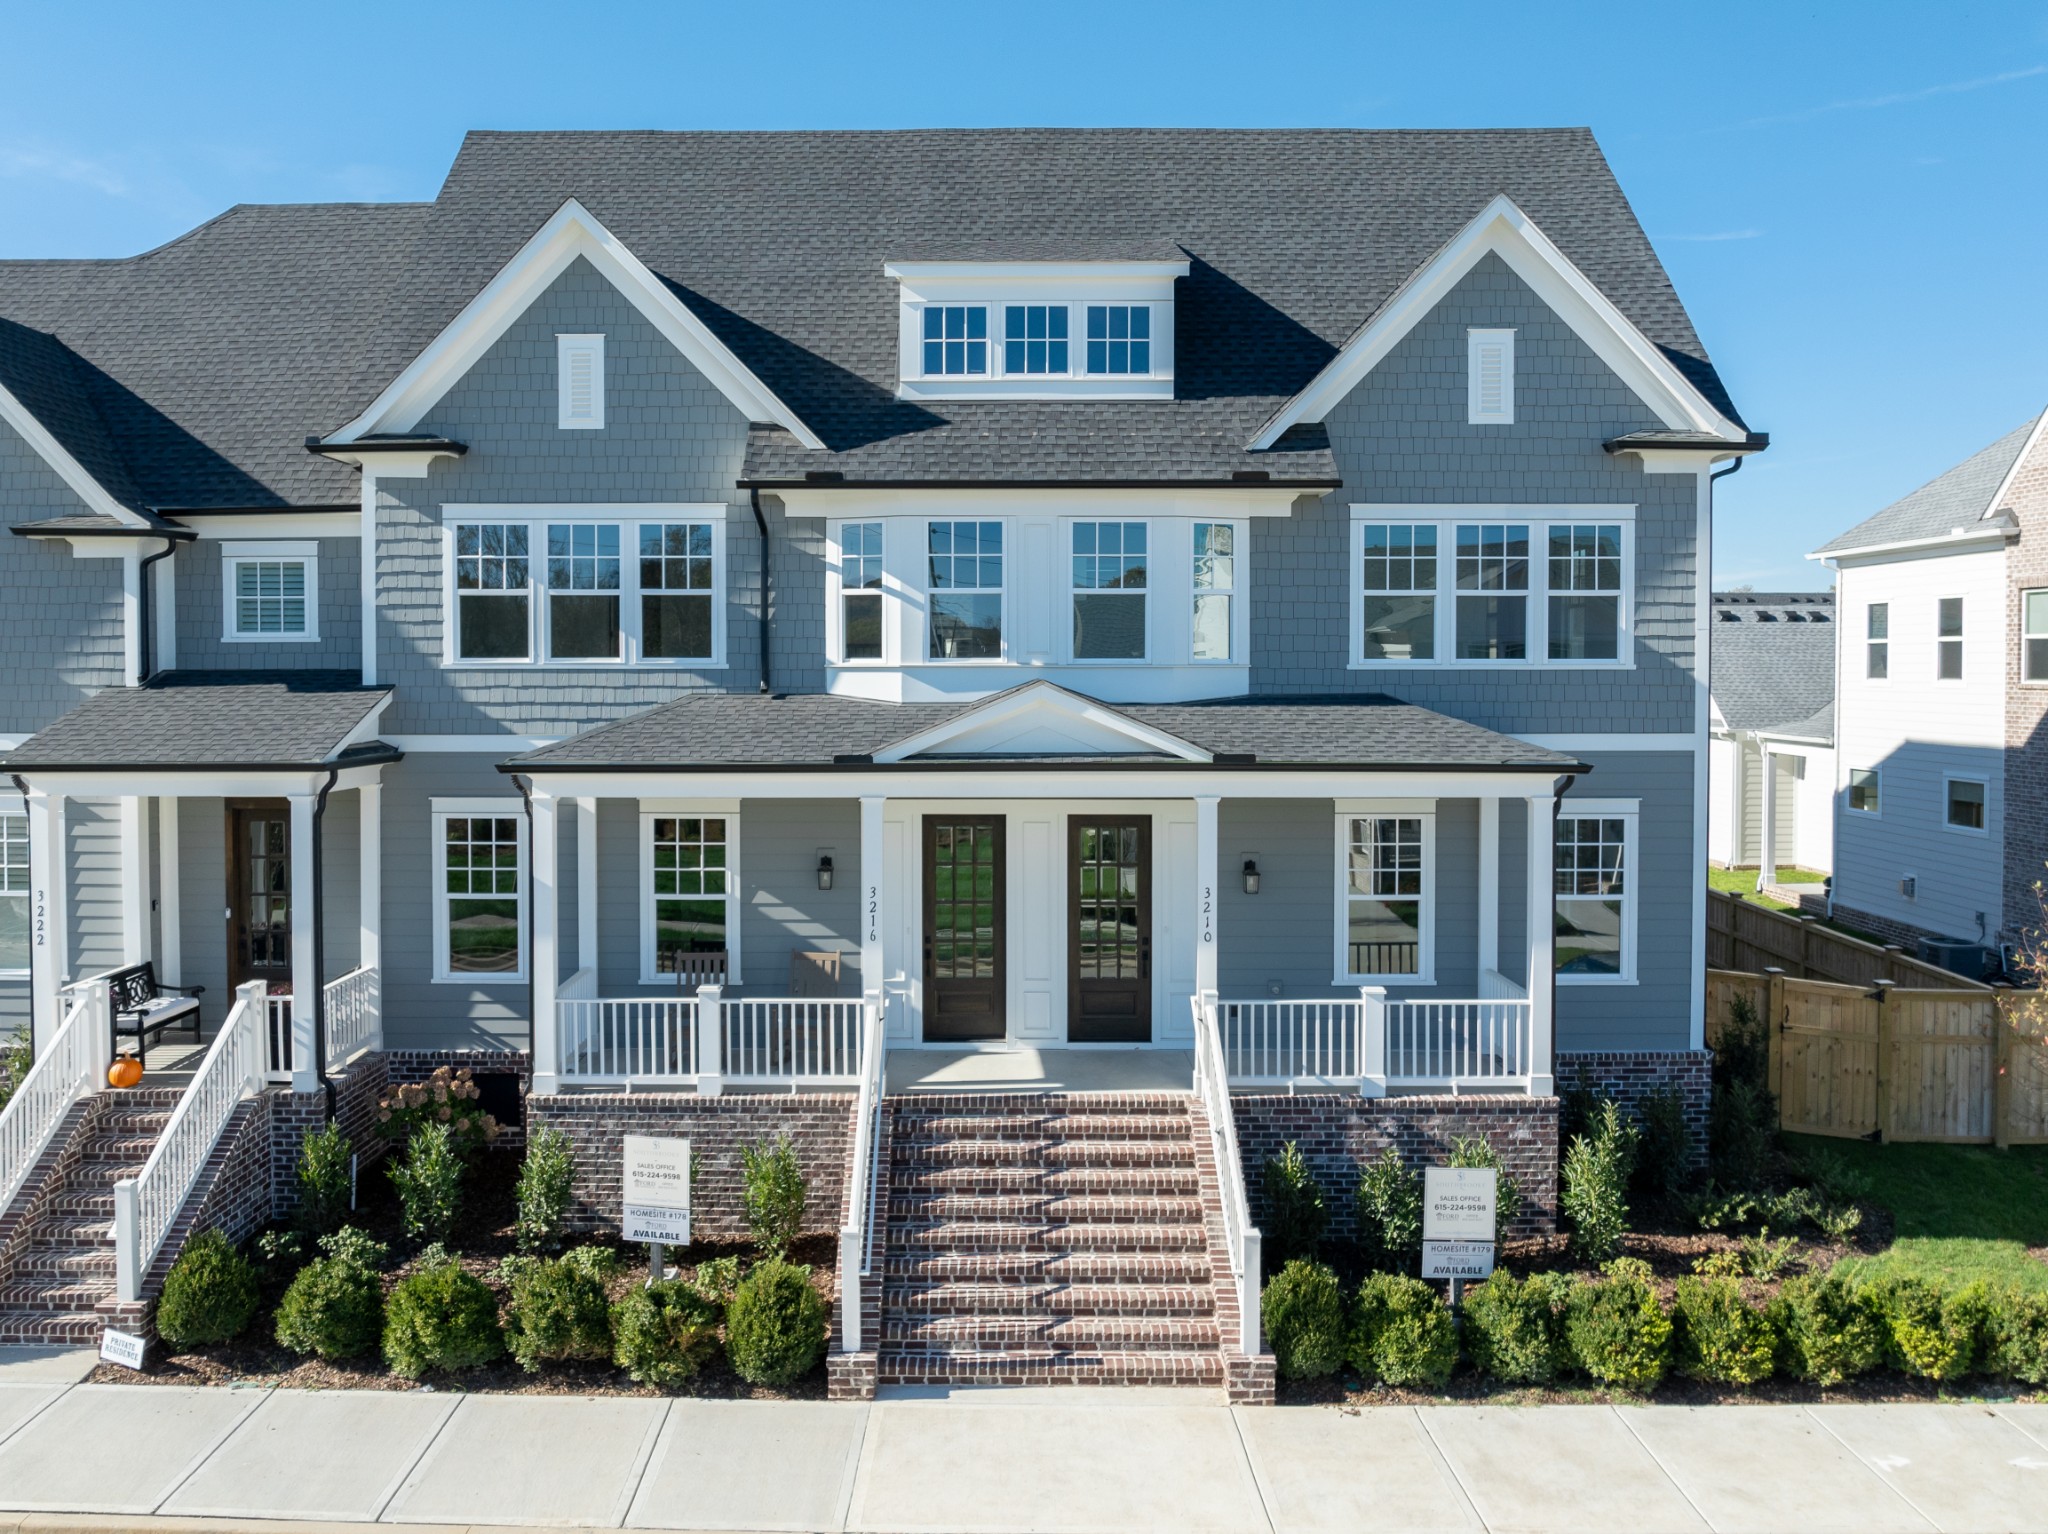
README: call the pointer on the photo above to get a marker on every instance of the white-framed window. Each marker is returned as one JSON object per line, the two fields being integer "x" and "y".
{"x": 479, "y": 891}
{"x": 1964, "y": 805}
{"x": 689, "y": 889}
{"x": 1035, "y": 340}
{"x": 580, "y": 586}
{"x": 1490, "y": 377}
{"x": 1119, "y": 339}
{"x": 860, "y": 591}
{"x": 964, "y": 601}
{"x": 1877, "y": 641}
{"x": 1386, "y": 894}
{"x": 1510, "y": 586}
{"x": 2034, "y": 636}
{"x": 1108, "y": 568}
{"x": 955, "y": 340}
{"x": 579, "y": 382}
{"x": 1215, "y": 591}
{"x": 1594, "y": 888}
{"x": 270, "y": 592}
{"x": 1863, "y": 790}
{"x": 14, "y": 892}
{"x": 1948, "y": 640}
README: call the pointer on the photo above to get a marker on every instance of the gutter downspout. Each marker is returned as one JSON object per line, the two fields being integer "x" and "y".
{"x": 320, "y": 943}
{"x": 21, "y": 787}
{"x": 761, "y": 522}
{"x": 1558, "y": 790}
{"x": 143, "y": 612}
{"x": 525, "y": 787}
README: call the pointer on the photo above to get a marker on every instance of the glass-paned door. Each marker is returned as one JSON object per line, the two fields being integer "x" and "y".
{"x": 963, "y": 927}
{"x": 259, "y": 894}
{"x": 1109, "y": 948}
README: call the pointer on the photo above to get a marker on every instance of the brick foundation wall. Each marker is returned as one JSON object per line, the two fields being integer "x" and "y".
{"x": 819, "y": 1124}
{"x": 1628, "y": 1076}
{"x": 404, "y": 1065}
{"x": 1339, "y": 1134}
{"x": 294, "y": 1114}
{"x": 1881, "y": 927}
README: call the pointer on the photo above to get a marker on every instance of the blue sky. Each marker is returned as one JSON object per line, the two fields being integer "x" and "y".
{"x": 1848, "y": 198}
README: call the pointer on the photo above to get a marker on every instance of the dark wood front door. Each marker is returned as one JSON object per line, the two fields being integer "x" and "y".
{"x": 1109, "y": 939}
{"x": 963, "y": 927}
{"x": 259, "y": 892}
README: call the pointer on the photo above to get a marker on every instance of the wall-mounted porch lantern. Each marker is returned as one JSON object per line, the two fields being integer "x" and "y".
{"x": 824, "y": 870}
{"x": 1251, "y": 877}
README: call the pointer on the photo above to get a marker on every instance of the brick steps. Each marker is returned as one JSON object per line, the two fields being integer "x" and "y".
{"x": 1043, "y": 1208}
{"x": 1018, "y": 1181}
{"x": 914, "y": 1299}
{"x": 1049, "y": 1366}
{"x": 1036, "y": 1153}
{"x": 46, "y": 1328}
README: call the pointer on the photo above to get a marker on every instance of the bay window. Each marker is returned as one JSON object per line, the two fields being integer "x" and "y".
{"x": 1109, "y": 561}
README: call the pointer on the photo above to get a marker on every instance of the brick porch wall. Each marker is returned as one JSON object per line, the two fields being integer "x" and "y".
{"x": 295, "y": 1114}
{"x": 404, "y": 1065}
{"x": 1628, "y": 1076}
{"x": 1340, "y": 1133}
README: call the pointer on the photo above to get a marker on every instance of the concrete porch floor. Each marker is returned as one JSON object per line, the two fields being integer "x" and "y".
{"x": 1029, "y": 1069}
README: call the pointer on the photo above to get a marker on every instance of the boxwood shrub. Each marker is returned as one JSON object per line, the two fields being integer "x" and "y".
{"x": 1719, "y": 1335}
{"x": 1932, "y": 1330}
{"x": 1619, "y": 1333}
{"x": 441, "y": 1318}
{"x": 1514, "y": 1327}
{"x": 2016, "y": 1336}
{"x": 210, "y": 1295}
{"x": 335, "y": 1307}
{"x": 1303, "y": 1309}
{"x": 664, "y": 1333}
{"x": 1402, "y": 1332}
{"x": 557, "y": 1311}
{"x": 775, "y": 1326}
{"x": 1825, "y": 1331}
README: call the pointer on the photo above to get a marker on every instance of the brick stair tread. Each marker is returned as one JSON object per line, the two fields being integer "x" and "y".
{"x": 1053, "y": 1299}
{"x": 1048, "y": 1365}
{"x": 977, "y": 1266}
{"x": 45, "y": 1326}
{"x": 92, "y": 1173}
{"x": 1046, "y": 1235}
{"x": 984, "y": 1333}
{"x": 1138, "y": 1181}
{"x": 1066, "y": 1208}
{"x": 148, "y": 1122}
{"x": 67, "y": 1230}
{"x": 50, "y": 1292}
{"x": 1075, "y": 1126}
{"x": 48, "y": 1261}
{"x": 1036, "y": 1151}
{"x": 96, "y": 1201}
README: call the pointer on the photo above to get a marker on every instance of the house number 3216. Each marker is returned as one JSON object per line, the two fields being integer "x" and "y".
{"x": 874, "y": 912}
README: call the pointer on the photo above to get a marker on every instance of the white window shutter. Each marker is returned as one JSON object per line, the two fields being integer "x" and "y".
{"x": 1490, "y": 383}
{"x": 580, "y": 381}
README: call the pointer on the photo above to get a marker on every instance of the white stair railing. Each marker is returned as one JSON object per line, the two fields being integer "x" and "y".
{"x": 146, "y": 1205}
{"x": 856, "y": 1236}
{"x": 354, "y": 1006}
{"x": 1212, "y": 1086}
{"x": 71, "y": 1065}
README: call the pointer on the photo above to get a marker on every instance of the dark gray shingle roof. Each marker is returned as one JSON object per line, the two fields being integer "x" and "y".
{"x": 1773, "y": 657}
{"x": 208, "y": 719}
{"x": 1369, "y": 731}
{"x": 1956, "y": 499}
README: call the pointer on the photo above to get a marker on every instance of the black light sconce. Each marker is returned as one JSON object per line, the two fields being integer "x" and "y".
{"x": 1251, "y": 877}
{"x": 824, "y": 870}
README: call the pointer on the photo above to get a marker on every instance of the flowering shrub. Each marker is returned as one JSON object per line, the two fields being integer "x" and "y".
{"x": 448, "y": 1097}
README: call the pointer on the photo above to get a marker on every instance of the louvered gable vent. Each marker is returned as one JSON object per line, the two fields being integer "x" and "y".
{"x": 1491, "y": 382}
{"x": 580, "y": 381}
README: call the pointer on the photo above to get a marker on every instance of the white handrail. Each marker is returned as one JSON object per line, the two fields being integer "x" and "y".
{"x": 795, "y": 1039}
{"x": 146, "y": 1205}
{"x": 627, "y": 1040}
{"x": 857, "y": 1235}
{"x": 354, "y": 1006}
{"x": 1241, "y": 1237}
{"x": 68, "y": 1067}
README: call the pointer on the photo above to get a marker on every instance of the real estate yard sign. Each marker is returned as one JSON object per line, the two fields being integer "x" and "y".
{"x": 1457, "y": 1222}
{"x": 655, "y": 1194}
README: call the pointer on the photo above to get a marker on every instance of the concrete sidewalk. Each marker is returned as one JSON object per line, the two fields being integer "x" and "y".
{"x": 161, "y": 1456}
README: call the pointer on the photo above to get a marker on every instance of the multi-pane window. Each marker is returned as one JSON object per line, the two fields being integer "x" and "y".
{"x": 14, "y": 892}
{"x": 676, "y": 590}
{"x": 1877, "y": 637}
{"x": 966, "y": 601}
{"x": 1493, "y": 591}
{"x": 1948, "y": 653}
{"x": 1109, "y": 590}
{"x": 690, "y": 869}
{"x": 1399, "y": 569}
{"x": 1585, "y": 592}
{"x": 1593, "y": 890}
{"x": 1863, "y": 787}
{"x": 1965, "y": 804}
{"x": 479, "y": 899}
{"x": 270, "y": 598}
{"x": 2034, "y": 636}
{"x": 860, "y": 591}
{"x": 1386, "y": 887}
{"x": 1034, "y": 338}
{"x": 583, "y": 591}
{"x": 1215, "y": 589}
{"x": 955, "y": 339}
{"x": 1119, "y": 338}
{"x": 492, "y": 602}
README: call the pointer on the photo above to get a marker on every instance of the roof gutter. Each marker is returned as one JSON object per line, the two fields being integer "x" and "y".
{"x": 761, "y": 522}
{"x": 1247, "y": 479}
{"x": 35, "y": 530}
{"x": 1223, "y": 762}
{"x": 1990, "y": 530}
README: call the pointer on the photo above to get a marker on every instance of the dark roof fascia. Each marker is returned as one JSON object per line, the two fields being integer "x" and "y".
{"x": 321, "y": 447}
{"x": 1636, "y": 442}
{"x": 43, "y": 530}
{"x": 1318, "y": 482}
{"x": 352, "y": 508}
{"x": 1037, "y": 764}
{"x": 383, "y": 755}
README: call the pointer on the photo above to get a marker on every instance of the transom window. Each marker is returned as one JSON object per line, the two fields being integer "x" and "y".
{"x": 1399, "y": 610}
{"x": 583, "y": 591}
{"x": 1948, "y": 627}
{"x": 955, "y": 339}
{"x": 2034, "y": 636}
{"x": 271, "y": 591}
{"x": 1877, "y": 649}
{"x": 1035, "y": 338}
{"x": 1593, "y": 886}
{"x": 14, "y": 893}
{"x": 1119, "y": 338}
{"x": 1493, "y": 591}
{"x": 1386, "y": 896}
{"x": 1215, "y": 589}
{"x": 479, "y": 910}
{"x": 966, "y": 601}
{"x": 1109, "y": 590}
{"x": 691, "y": 886}
{"x": 860, "y": 591}
{"x": 677, "y": 576}
{"x": 1585, "y": 592}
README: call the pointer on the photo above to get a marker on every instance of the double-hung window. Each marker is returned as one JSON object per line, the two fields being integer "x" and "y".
{"x": 1595, "y": 893}
{"x": 690, "y": 898}
{"x": 14, "y": 893}
{"x": 1398, "y": 608}
{"x": 2034, "y": 636}
{"x": 493, "y": 591}
{"x": 1585, "y": 591}
{"x": 1109, "y": 590}
{"x": 1119, "y": 338}
{"x": 1215, "y": 589}
{"x": 677, "y": 581}
{"x": 1493, "y": 591}
{"x": 955, "y": 340}
{"x": 1034, "y": 339}
{"x": 271, "y": 590}
{"x": 583, "y": 591}
{"x": 1386, "y": 894}
{"x": 1877, "y": 641}
{"x": 1948, "y": 628}
{"x": 479, "y": 893}
{"x": 965, "y": 604}
{"x": 860, "y": 591}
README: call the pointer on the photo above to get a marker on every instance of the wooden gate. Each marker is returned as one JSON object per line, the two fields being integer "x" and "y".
{"x": 1825, "y": 1044}
{"x": 1940, "y": 1072}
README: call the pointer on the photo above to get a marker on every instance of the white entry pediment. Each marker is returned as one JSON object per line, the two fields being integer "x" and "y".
{"x": 1041, "y": 719}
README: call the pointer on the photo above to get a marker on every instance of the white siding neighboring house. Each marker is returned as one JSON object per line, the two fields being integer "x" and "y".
{"x": 1771, "y": 760}
{"x": 1930, "y": 609}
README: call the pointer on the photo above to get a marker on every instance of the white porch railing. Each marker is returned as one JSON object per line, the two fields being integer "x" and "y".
{"x": 71, "y": 1065}
{"x": 1371, "y": 1044}
{"x": 354, "y": 1006}
{"x": 1212, "y": 1085}
{"x": 708, "y": 1040}
{"x": 813, "y": 1040}
{"x": 623, "y": 1042}
{"x": 857, "y": 1235}
{"x": 1291, "y": 1043}
{"x": 146, "y": 1205}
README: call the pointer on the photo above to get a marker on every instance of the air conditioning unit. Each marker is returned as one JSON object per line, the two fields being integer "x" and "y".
{"x": 1970, "y": 960}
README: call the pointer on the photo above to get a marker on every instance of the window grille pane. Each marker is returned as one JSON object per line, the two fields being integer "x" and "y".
{"x": 1119, "y": 338}
{"x": 482, "y": 856}
{"x": 955, "y": 339}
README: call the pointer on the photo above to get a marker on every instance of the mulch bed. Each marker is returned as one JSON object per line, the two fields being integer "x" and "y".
{"x": 483, "y": 1238}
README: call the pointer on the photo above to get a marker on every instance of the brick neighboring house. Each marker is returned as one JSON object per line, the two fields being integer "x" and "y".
{"x": 1941, "y": 816}
{"x": 682, "y": 610}
{"x": 1772, "y": 762}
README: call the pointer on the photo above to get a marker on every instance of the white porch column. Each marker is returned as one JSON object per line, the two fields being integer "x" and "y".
{"x": 586, "y": 888}
{"x": 1206, "y": 893}
{"x": 370, "y": 894}
{"x": 48, "y": 953}
{"x": 871, "y": 858}
{"x": 170, "y": 911}
{"x": 546, "y": 959}
{"x": 1489, "y": 890}
{"x": 135, "y": 945}
{"x": 1542, "y": 942}
{"x": 1767, "y": 870}
{"x": 305, "y": 974}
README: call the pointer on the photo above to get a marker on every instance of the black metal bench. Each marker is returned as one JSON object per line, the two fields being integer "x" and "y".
{"x": 144, "y": 1008}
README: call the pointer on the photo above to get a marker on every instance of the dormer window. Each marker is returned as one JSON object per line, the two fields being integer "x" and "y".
{"x": 955, "y": 340}
{"x": 1034, "y": 338}
{"x": 1120, "y": 338}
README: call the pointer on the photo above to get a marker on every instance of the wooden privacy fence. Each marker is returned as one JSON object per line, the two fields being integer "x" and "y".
{"x": 1886, "y": 1062}
{"x": 1742, "y": 935}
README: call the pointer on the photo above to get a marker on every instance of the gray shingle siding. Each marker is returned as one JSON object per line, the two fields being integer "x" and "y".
{"x": 668, "y": 437}
{"x": 1402, "y": 437}
{"x": 92, "y": 828}
{"x": 202, "y": 618}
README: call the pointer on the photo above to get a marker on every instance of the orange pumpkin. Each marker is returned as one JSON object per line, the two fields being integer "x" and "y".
{"x": 126, "y": 1071}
